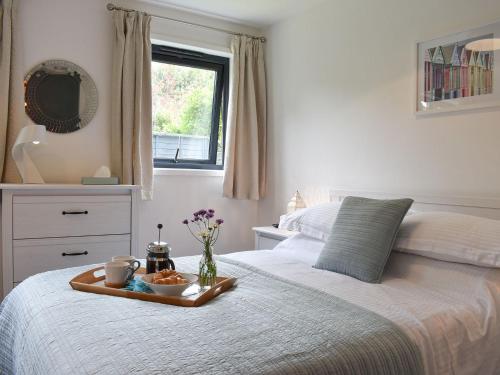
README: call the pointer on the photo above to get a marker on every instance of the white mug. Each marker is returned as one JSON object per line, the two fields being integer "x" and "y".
{"x": 130, "y": 259}
{"x": 118, "y": 273}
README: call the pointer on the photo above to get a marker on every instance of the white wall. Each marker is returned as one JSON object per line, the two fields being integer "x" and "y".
{"x": 177, "y": 197}
{"x": 341, "y": 98}
{"x": 80, "y": 31}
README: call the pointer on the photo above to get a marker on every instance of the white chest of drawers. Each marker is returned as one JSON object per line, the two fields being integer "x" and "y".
{"x": 47, "y": 227}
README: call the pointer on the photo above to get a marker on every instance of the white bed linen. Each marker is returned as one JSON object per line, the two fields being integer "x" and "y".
{"x": 450, "y": 310}
{"x": 452, "y": 237}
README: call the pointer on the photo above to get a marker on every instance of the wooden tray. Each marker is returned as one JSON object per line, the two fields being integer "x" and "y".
{"x": 89, "y": 282}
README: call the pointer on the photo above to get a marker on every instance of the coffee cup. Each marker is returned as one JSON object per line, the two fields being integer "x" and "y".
{"x": 130, "y": 259}
{"x": 118, "y": 273}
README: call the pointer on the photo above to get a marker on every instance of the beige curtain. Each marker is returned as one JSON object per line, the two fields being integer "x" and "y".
{"x": 245, "y": 162}
{"x": 131, "y": 118}
{"x": 11, "y": 88}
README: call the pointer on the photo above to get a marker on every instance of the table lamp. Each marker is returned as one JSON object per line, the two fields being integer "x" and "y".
{"x": 29, "y": 136}
{"x": 296, "y": 203}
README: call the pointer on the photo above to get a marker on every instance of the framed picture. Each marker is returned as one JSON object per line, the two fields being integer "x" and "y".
{"x": 458, "y": 72}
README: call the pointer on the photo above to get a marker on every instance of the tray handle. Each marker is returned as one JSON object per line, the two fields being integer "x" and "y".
{"x": 215, "y": 291}
{"x": 89, "y": 277}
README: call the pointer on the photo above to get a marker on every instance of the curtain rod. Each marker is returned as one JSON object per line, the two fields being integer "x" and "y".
{"x": 111, "y": 6}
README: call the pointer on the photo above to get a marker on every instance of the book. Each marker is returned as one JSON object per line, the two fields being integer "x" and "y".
{"x": 100, "y": 181}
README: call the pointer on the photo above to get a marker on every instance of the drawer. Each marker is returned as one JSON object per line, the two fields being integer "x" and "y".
{"x": 266, "y": 243}
{"x": 66, "y": 216}
{"x": 35, "y": 256}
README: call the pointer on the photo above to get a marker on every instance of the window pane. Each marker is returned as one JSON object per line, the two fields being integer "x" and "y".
{"x": 182, "y": 111}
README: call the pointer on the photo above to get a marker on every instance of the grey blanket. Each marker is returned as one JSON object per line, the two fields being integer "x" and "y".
{"x": 265, "y": 325}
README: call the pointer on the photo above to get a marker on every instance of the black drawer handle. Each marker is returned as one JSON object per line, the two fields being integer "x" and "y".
{"x": 74, "y": 254}
{"x": 75, "y": 212}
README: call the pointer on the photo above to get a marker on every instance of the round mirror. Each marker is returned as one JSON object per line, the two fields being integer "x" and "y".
{"x": 60, "y": 95}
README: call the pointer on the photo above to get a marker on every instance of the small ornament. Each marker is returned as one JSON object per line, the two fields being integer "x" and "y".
{"x": 296, "y": 203}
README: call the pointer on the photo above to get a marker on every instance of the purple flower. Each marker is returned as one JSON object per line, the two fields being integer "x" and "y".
{"x": 208, "y": 215}
{"x": 219, "y": 221}
{"x": 202, "y": 212}
{"x": 211, "y": 211}
{"x": 185, "y": 221}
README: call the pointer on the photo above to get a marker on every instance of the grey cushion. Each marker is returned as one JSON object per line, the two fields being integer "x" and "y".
{"x": 362, "y": 237}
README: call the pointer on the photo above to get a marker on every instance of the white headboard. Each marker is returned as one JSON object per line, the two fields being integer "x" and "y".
{"x": 477, "y": 206}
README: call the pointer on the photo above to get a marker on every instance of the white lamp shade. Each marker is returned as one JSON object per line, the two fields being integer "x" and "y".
{"x": 29, "y": 135}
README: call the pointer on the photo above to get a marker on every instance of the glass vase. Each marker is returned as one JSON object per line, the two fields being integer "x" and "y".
{"x": 208, "y": 268}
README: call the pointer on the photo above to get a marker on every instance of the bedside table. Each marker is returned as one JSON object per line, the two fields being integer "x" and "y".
{"x": 267, "y": 238}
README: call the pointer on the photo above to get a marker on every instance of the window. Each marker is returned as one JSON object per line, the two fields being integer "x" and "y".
{"x": 190, "y": 94}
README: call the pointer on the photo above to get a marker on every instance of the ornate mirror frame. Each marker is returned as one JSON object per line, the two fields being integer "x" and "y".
{"x": 60, "y": 95}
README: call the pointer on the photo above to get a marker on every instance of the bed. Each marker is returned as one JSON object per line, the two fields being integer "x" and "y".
{"x": 450, "y": 310}
{"x": 285, "y": 317}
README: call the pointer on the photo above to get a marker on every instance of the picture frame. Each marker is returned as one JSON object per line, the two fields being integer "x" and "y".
{"x": 459, "y": 71}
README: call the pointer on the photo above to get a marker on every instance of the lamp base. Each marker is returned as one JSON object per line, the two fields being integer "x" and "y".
{"x": 29, "y": 135}
{"x": 28, "y": 169}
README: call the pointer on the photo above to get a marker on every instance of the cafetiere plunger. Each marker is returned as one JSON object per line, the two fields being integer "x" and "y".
{"x": 158, "y": 257}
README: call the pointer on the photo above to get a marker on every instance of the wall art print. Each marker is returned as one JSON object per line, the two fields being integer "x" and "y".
{"x": 458, "y": 72}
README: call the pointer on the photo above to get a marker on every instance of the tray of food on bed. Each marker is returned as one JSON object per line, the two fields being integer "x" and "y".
{"x": 167, "y": 286}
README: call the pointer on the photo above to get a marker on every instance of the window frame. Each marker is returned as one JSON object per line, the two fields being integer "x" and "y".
{"x": 219, "y": 64}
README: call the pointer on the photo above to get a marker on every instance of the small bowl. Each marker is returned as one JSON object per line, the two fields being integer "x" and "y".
{"x": 170, "y": 290}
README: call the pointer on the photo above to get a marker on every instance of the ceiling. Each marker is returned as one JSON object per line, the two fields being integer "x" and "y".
{"x": 258, "y": 13}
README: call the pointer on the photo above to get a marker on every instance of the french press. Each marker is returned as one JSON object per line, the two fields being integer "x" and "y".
{"x": 158, "y": 257}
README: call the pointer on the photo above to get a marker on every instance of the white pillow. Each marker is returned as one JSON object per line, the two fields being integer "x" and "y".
{"x": 300, "y": 247}
{"x": 315, "y": 222}
{"x": 451, "y": 237}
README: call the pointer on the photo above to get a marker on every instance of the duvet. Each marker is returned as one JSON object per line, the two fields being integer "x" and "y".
{"x": 265, "y": 325}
